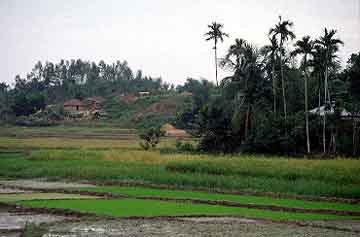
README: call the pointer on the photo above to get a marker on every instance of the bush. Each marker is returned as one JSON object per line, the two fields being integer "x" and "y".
{"x": 273, "y": 134}
{"x": 150, "y": 137}
{"x": 185, "y": 146}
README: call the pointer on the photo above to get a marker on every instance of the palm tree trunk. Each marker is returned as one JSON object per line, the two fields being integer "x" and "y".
{"x": 354, "y": 137}
{"x": 307, "y": 113}
{"x": 325, "y": 104}
{"x": 247, "y": 120}
{"x": 274, "y": 85}
{"x": 319, "y": 105}
{"x": 216, "y": 66}
{"x": 282, "y": 80}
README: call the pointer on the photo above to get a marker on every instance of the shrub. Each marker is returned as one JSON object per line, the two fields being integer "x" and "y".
{"x": 185, "y": 146}
{"x": 150, "y": 137}
{"x": 273, "y": 134}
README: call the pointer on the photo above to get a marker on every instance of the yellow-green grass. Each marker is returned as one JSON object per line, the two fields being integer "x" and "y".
{"x": 75, "y": 143}
{"x": 336, "y": 170}
{"x": 332, "y": 178}
{"x": 241, "y": 199}
{"x": 154, "y": 208}
{"x": 62, "y": 129}
{"x": 8, "y": 198}
{"x": 345, "y": 171}
{"x": 126, "y": 156}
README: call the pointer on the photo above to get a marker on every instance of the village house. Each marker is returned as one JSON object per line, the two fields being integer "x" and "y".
{"x": 143, "y": 93}
{"x": 344, "y": 114}
{"x": 74, "y": 105}
{"x": 94, "y": 103}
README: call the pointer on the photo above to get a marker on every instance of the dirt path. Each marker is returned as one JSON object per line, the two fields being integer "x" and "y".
{"x": 190, "y": 227}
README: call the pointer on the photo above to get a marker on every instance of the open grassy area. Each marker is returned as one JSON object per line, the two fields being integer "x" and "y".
{"x": 75, "y": 143}
{"x": 151, "y": 208}
{"x": 326, "y": 177}
{"x": 68, "y": 143}
{"x": 242, "y": 199}
{"x": 63, "y": 130}
{"x": 72, "y": 137}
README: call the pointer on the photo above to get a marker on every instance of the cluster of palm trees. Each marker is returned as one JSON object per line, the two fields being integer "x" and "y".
{"x": 318, "y": 57}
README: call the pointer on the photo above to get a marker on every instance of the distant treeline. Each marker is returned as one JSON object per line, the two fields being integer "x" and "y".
{"x": 50, "y": 83}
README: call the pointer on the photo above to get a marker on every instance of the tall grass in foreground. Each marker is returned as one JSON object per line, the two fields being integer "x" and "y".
{"x": 341, "y": 171}
{"x": 136, "y": 170}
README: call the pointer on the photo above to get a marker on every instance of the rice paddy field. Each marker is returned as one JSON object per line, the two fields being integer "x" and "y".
{"x": 109, "y": 176}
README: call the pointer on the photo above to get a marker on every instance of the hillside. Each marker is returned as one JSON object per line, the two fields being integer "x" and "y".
{"x": 132, "y": 111}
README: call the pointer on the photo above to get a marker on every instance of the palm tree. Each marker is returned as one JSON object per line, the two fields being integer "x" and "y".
{"x": 270, "y": 51}
{"x": 216, "y": 34}
{"x": 305, "y": 47}
{"x": 233, "y": 58}
{"x": 282, "y": 29}
{"x": 244, "y": 60}
{"x": 330, "y": 46}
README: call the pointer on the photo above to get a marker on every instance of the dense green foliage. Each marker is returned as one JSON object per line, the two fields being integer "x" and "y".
{"x": 243, "y": 113}
{"x": 53, "y": 83}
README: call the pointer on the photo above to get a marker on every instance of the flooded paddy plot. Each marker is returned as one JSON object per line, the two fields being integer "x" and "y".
{"x": 41, "y": 196}
{"x": 4, "y": 190}
{"x": 42, "y": 184}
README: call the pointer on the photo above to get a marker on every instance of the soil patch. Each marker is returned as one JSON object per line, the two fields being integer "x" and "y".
{"x": 4, "y": 190}
{"x": 42, "y": 184}
{"x": 191, "y": 227}
{"x": 166, "y": 106}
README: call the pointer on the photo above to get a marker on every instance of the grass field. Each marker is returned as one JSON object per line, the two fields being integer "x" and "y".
{"x": 75, "y": 143}
{"x": 332, "y": 178}
{"x": 152, "y": 208}
{"x": 113, "y": 155}
{"x": 242, "y": 199}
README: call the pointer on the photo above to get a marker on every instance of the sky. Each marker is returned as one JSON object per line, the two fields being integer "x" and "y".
{"x": 161, "y": 37}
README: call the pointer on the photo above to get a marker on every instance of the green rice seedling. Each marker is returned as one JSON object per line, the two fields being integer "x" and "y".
{"x": 153, "y": 208}
{"x": 241, "y": 199}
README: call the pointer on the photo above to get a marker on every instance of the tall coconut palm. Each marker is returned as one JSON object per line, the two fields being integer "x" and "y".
{"x": 330, "y": 46}
{"x": 216, "y": 34}
{"x": 305, "y": 47}
{"x": 269, "y": 52}
{"x": 283, "y": 31}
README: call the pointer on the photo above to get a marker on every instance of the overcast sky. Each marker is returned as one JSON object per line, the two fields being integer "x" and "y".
{"x": 161, "y": 37}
